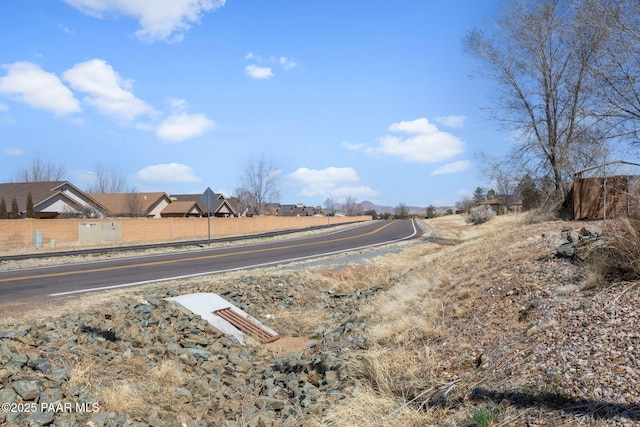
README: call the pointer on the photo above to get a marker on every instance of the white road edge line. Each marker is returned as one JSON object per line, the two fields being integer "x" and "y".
{"x": 187, "y": 276}
{"x": 195, "y": 251}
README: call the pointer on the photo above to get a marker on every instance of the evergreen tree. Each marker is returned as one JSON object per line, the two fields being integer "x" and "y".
{"x": 3, "y": 209}
{"x": 30, "y": 211}
{"x": 15, "y": 212}
{"x": 491, "y": 194}
{"x": 478, "y": 195}
{"x": 527, "y": 187}
{"x": 431, "y": 211}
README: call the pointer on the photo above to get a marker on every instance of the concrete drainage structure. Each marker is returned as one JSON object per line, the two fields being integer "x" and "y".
{"x": 226, "y": 317}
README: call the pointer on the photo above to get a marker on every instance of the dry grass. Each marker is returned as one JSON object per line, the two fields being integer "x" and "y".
{"x": 351, "y": 278}
{"x": 405, "y": 314}
{"x": 416, "y": 325}
{"x": 617, "y": 255}
{"x": 136, "y": 388}
{"x": 297, "y": 319}
{"x": 443, "y": 307}
{"x": 371, "y": 408}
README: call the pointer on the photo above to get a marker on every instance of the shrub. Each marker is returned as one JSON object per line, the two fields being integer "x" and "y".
{"x": 479, "y": 214}
{"x": 616, "y": 254}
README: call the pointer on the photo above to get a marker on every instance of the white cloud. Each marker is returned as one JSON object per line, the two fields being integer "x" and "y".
{"x": 158, "y": 19}
{"x": 4, "y": 107}
{"x": 167, "y": 173}
{"x": 427, "y": 144}
{"x": 106, "y": 90}
{"x": 414, "y": 127}
{"x": 66, "y": 29}
{"x": 253, "y": 56}
{"x": 452, "y": 121}
{"x": 37, "y": 88}
{"x": 353, "y": 146}
{"x": 330, "y": 182}
{"x": 453, "y": 167}
{"x": 180, "y": 127}
{"x": 177, "y": 104}
{"x": 12, "y": 151}
{"x": 287, "y": 63}
{"x": 256, "y": 72}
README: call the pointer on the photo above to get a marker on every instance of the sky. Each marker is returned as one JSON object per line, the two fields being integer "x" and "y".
{"x": 373, "y": 100}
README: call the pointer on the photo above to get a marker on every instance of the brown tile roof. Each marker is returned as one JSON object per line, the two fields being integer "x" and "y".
{"x": 181, "y": 207}
{"x": 118, "y": 204}
{"x": 216, "y": 204}
{"x": 40, "y": 192}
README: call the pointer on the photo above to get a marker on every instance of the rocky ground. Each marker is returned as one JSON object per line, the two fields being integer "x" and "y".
{"x": 518, "y": 337}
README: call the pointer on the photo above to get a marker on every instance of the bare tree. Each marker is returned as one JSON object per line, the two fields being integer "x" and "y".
{"x": 41, "y": 171}
{"x": 466, "y": 204}
{"x": 330, "y": 205}
{"x": 538, "y": 53}
{"x": 617, "y": 68}
{"x": 350, "y": 206}
{"x": 107, "y": 180}
{"x": 401, "y": 211}
{"x": 504, "y": 175}
{"x": 133, "y": 204}
{"x": 243, "y": 200}
{"x": 259, "y": 185}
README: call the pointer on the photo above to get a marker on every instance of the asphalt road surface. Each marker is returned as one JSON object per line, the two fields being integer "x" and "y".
{"x": 109, "y": 274}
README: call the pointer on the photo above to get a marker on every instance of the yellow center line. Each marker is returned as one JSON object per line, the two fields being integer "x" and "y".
{"x": 199, "y": 258}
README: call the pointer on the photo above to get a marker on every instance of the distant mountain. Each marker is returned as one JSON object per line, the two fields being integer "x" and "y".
{"x": 413, "y": 210}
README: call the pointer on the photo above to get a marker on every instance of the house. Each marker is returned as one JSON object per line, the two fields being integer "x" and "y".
{"x": 271, "y": 209}
{"x": 298, "y": 210}
{"x": 291, "y": 210}
{"x": 502, "y": 204}
{"x": 220, "y": 206}
{"x": 182, "y": 209}
{"x": 240, "y": 208}
{"x": 146, "y": 205}
{"x": 51, "y": 199}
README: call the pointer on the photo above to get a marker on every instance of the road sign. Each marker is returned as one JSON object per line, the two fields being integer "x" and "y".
{"x": 208, "y": 198}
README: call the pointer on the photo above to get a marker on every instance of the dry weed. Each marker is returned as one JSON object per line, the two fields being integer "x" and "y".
{"x": 133, "y": 386}
{"x": 371, "y": 408}
{"x": 301, "y": 320}
{"x": 406, "y": 313}
{"x": 351, "y": 278}
{"x": 123, "y": 397}
{"x": 616, "y": 256}
{"x": 168, "y": 372}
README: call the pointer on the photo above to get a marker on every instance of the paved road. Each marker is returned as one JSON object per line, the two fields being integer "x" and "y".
{"x": 99, "y": 275}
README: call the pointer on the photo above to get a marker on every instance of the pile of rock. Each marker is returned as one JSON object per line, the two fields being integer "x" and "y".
{"x": 578, "y": 241}
{"x": 220, "y": 380}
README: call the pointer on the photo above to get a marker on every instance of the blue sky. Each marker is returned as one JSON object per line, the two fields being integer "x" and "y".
{"x": 372, "y": 100}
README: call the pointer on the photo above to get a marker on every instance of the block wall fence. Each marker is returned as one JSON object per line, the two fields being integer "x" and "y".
{"x": 64, "y": 233}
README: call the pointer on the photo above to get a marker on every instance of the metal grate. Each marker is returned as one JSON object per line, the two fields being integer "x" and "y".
{"x": 246, "y": 325}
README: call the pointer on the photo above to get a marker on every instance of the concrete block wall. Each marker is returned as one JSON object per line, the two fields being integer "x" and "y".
{"x": 19, "y": 233}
